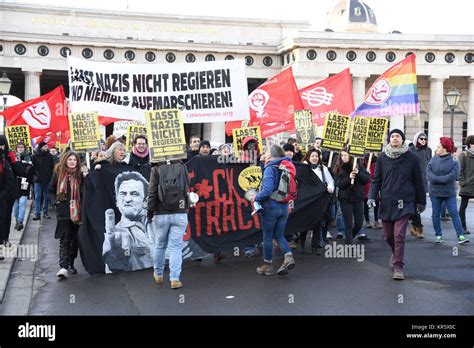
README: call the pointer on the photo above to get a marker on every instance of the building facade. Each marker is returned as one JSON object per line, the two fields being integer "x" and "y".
{"x": 35, "y": 41}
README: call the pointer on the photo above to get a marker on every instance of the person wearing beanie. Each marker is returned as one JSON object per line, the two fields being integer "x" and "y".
{"x": 43, "y": 166}
{"x": 399, "y": 182}
{"x": 204, "y": 148}
{"x": 289, "y": 150}
{"x": 421, "y": 149}
{"x": 275, "y": 214}
{"x": 442, "y": 173}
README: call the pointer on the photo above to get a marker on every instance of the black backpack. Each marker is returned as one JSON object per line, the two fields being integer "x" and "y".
{"x": 173, "y": 186}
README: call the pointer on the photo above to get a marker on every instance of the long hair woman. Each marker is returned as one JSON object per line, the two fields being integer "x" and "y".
{"x": 65, "y": 186}
{"x": 351, "y": 195}
{"x": 115, "y": 154}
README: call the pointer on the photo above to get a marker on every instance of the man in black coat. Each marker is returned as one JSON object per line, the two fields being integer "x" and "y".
{"x": 43, "y": 166}
{"x": 399, "y": 180}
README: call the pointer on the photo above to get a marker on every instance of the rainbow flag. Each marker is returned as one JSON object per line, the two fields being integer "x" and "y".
{"x": 394, "y": 93}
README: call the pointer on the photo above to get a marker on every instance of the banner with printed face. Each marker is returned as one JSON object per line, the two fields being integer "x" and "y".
{"x": 205, "y": 92}
{"x": 18, "y": 134}
{"x": 336, "y": 131}
{"x": 85, "y": 133}
{"x": 242, "y": 138}
{"x": 377, "y": 130}
{"x": 166, "y": 135}
{"x": 132, "y": 132}
{"x": 358, "y": 135}
{"x": 304, "y": 128}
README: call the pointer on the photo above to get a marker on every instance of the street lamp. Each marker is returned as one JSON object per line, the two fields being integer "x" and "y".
{"x": 452, "y": 98}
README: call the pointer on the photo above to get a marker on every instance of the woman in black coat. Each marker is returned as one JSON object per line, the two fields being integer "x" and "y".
{"x": 351, "y": 195}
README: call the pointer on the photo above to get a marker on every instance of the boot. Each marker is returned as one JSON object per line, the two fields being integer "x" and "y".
{"x": 288, "y": 263}
{"x": 266, "y": 269}
{"x": 20, "y": 226}
{"x": 413, "y": 231}
{"x": 420, "y": 233}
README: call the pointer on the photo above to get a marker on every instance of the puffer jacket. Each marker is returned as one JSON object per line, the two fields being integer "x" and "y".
{"x": 442, "y": 172}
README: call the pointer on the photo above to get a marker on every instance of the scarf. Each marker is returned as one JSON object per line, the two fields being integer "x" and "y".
{"x": 470, "y": 151}
{"x": 75, "y": 202}
{"x": 394, "y": 153}
{"x": 314, "y": 166}
{"x": 140, "y": 154}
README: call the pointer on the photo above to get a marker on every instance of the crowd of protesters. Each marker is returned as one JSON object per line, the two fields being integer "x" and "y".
{"x": 393, "y": 190}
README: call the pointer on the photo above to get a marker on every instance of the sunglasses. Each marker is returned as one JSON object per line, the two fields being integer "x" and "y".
{"x": 421, "y": 138}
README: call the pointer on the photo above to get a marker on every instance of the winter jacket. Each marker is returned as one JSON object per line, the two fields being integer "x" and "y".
{"x": 270, "y": 180}
{"x": 424, "y": 154}
{"x": 400, "y": 184}
{"x": 16, "y": 167}
{"x": 442, "y": 172}
{"x": 63, "y": 211}
{"x": 466, "y": 177}
{"x": 134, "y": 160}
{"x": 43, "y": 166}
{"x": 24, "y": 182}
{"x": 7, "y": 180}
{"x": 351, "y": 193}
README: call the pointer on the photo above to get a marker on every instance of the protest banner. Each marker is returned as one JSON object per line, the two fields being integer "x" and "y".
{"x": 239, "y": 135}
{"x": 132, "y": 132}
{"x": 85, "y": 133}
{"x": 18, "y": 134}
{"x": 304, "y": 128}
{"x": 358, "y": 136}
{"x": 120, "y": 127}
{"x": 204, "y": 92}
{"x": 166, "y": 135}
{"x": 377, "y": 129}
{"x": 336, "y": 131}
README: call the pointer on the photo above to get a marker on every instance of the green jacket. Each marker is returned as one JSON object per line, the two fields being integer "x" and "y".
{"x": 466, "y": 178}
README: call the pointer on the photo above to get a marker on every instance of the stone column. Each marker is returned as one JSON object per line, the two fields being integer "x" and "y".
{"x": 470, "y": 115}
{"x": 435, "y": 129}
{"x": 358, "y": 89}
{"x": 214, "y": 132}
{"x": 32, "y": 84}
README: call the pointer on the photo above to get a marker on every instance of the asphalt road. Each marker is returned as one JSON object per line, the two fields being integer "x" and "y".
{"x": 437, "y": 283}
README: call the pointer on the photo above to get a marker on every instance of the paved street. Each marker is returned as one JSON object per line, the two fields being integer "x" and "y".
{"x": 437, "y": 283}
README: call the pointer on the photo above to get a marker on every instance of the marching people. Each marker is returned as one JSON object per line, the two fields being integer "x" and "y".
{"x": 43, "y": 166}
{"x": 315, "y": 164}
{"x": 66, "y": 188}
{"x": 115, "y": 154}
{"x": 298, "y": 156}
{"x": 274, "y": 215}
{"x": 204, "y": 148}
{"x": 442, "y": 172}
{"x": 421, "y": 149}
{"x": 366, "y": 192}
{"x": 140, "y": 154}
{"x": 399, "y": 181}
{"x": 350, "y": 195}
{"x": 24, "y": 159}
{"x": 466, "y": 179}
{"x": 8, "y": 191}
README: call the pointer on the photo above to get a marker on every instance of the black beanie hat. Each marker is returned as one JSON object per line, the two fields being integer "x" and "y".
{"x": 288, "y": 147}
{"x": 398, "y": 131}
{"x": 204, "y": 142}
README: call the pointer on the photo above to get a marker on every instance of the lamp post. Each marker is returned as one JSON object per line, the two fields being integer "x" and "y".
{"x": 452, "y": 98}
{"x": 5, "y": 84}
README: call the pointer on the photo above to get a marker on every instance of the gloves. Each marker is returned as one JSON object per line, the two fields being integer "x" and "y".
{"x": 420, "y": 208}
{"x": 371, "y": 203}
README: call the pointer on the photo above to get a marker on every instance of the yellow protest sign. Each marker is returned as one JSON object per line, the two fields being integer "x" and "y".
{"x": 358, "y": 135}
{"x": 166, "y": 135}
{"x": 18, "y": 134}
{"x": 132, "y": 132}
{"x": 336, "y": 131}
{"x": 85, "y": 133}
{"x": 377, "y": 129}
{"x": 304, "y": 128}
{"x": 239, "y": 134}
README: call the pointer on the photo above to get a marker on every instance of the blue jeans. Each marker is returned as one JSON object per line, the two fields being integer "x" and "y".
{"x": 274, "y": 220}
{"x": 19, "y": 208}
{"x": 451, "y": 205}
{"x": 169, "y": 232}
{"x": 339, "y": 221}
{"x": 41, "y": 196}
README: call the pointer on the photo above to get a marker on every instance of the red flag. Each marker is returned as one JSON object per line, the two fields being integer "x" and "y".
{"x": 47, "y": 113}
{"x": 272, "y": 105}
{"x": 49, "y": 138}
{"x": 333, "y": 94}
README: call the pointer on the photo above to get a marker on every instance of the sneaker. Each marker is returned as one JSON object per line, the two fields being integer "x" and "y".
{"x": 377, "y": 225}
{"x": 158, "y": 279}
{"x": 71, "y": 270}
{"x": 339, "y": 236}
{"x": 439, "y": 239}
{"x": 20, "y": 226}
{"x": 62, "y": 274}
{"x": 288, "y": 263}
{"x": 266, "y": 269}
{"x": 364, "y": 239}
{"x": 368, "y": 225}
{"x": 398, "y": 275}
{"x": 46, "y": 216}
{"x": 462, "y": 239}
{"x": 176, "y": 284}
{"x": 36, "y": 217}
{"x": 328, "y": 235}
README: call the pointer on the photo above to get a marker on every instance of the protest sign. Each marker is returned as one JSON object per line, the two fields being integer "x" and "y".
{"x": 377, "y": 129}
{"x": 336, "y": 131}
{"x": 204, "y": 92}
{"x": 132, "y": 132}
{"x": 239, "y": 135}
{"x": 85, "y": 134}
{"x": 166, "y": 135}
{"x": 358, "y": 136}
{"x": 304, "y": 128}
{"x": 18, "y": 134}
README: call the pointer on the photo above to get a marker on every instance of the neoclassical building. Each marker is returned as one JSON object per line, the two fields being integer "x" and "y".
{"x": 35, "y": 41}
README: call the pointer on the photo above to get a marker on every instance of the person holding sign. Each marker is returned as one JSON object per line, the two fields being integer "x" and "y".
{"x": 140, "y": 154}
{"x": 398, "y": 179}
{"x": 350, "y": 180}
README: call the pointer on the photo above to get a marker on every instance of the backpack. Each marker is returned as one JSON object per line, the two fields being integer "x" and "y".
{"x": 287, "y": 190}
{"x": 173, "y": 186}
